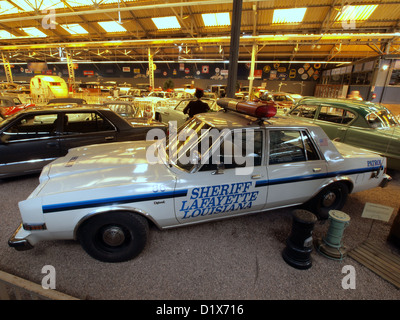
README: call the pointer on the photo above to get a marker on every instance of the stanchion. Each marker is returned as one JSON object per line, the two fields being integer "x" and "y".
{"x": 299, "y": 245}
{"x": 331, "y": 245}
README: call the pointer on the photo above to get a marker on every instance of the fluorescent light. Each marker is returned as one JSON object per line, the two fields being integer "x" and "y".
{"x": 74, "y": 28}
{"x": 166, "y": 23}
{"x": 6, "y": 35}
{"x": 216, "y": 19}
{"x": 294, "y": 15}
{"x": 356, "y": 13}
{"x": 38, "y": 5}
{"x": 34, "y": 32}
{"x": 111, "y": 26}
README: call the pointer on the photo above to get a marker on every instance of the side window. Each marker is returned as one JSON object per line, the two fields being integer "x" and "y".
{"x": 335, "y": 115}
{"x": 240, "y": 148}
{"x": 32, "y": 126}
{"x": 304, "y": 111}
{"x": 85, "y": 122}
{"x": 290, "y": 146}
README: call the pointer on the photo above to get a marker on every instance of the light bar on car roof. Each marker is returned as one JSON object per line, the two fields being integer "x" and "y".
{"x": 250, "y": 108}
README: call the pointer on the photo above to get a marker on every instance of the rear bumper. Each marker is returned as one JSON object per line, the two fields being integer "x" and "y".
{"x": 19, "y": 243}
{"x": 385, "y": 181}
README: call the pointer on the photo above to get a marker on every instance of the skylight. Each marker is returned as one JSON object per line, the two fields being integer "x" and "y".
{"x": 74, "y": 28}
{"x": 111, "y": 26}
{"x": 5, "y": 34}
{"x": 37, "y": 5}
{"x": 294, "y": 15}
{"x": 166, "y": 23}
{"x": 34, "y": 32}
{"x": 216, "y": 19}
{"x": 355, "y": 13}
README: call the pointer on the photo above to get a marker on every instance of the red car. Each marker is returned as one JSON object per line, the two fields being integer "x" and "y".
{"x": 10, "y": 105}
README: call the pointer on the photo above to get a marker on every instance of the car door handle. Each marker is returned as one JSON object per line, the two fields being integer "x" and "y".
{"x": 166, "y": 113}
{"x": 316, "y": 170}
{"x": 342, "y": 129}
{"x": 256, "y": 176}
{"x": 109, "y": 138}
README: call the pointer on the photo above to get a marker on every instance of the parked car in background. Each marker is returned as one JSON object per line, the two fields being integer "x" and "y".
{"x": 279, "y": 100}
{"x": 10, "y": 105}
{"x": 358, "y": 123}
{"x": 37, "y": 135}
{"x": 165, "y": 113}
{"x": 134, "y": 114}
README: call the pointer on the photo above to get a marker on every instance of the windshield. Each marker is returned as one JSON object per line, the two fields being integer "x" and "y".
{"x": 183, "y": 145}
{"x": 382, "y": 119}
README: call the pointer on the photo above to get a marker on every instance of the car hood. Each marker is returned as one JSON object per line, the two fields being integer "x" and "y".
{"x": 103, "y": 166}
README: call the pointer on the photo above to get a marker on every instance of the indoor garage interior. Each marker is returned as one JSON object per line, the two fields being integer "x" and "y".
{"x": 107, "y": 51}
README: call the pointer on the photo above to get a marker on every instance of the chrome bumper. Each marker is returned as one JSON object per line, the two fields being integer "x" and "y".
{"x": 385, "y": 181}
{"x": 17, "y": 243}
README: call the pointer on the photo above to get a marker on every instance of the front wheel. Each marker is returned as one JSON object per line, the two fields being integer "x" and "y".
{"x": 332, "y": 197}
{"x": 114, "y": 236}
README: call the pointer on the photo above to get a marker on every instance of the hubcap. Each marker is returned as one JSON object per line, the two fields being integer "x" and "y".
{"x": 113, "y": 236}
{"x": 329, "y": 199}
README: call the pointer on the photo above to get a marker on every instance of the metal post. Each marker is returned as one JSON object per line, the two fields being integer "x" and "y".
{"x": 151, "y": 70}
{"x": 7, "y": 68}
{"x": 234, "y": 48}
{"x": 71, "y": 72}
{"x": 251, "y": 77}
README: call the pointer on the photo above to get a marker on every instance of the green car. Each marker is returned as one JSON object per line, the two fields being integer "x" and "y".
{"x": 359, "y": 123}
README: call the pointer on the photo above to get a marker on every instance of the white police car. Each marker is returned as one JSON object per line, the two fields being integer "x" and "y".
{"x": 217, "y": 165}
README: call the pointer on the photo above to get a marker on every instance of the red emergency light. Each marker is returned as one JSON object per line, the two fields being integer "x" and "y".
{"x": 255, "y": 109}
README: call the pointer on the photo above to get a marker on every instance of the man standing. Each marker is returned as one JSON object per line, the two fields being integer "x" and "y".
{"x": 196, "y": 106}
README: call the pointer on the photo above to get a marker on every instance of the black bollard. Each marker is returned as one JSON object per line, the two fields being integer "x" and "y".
{"x": 299, "y": 244}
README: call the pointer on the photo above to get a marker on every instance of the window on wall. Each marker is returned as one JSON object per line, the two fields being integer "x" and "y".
{"x": 395, "y": 78}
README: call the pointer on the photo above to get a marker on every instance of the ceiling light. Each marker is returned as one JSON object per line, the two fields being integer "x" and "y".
{"x": 74, "y": 28}
{"x": 34, "y": 32}
{"x": 7, "y": 8}
{"x": 111, "y": 26}
{"x": 166, "y": 23}
{"x": 355, "y": 13}
{"x": 294, "y": 15}
{"x": 216, "y": 19}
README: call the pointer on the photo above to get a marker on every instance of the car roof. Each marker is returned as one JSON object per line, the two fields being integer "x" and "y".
{"x": 61, "y": 108}
{"x": 234, "y": 120}
{"x": 362, "y": 107}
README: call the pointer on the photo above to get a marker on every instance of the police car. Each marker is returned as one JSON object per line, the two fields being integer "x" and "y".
{"x": 217, "y": 165}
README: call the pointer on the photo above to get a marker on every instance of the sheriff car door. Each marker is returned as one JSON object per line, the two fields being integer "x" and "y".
{"x": 226, "y": 184}
{"x": 295, "y": 167}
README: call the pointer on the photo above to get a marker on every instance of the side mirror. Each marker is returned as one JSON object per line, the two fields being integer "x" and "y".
{"x": 220, "y": 169}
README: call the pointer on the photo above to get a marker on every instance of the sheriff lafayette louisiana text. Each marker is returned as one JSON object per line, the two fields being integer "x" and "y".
{"x": 217, "y": 199}
{"x": 222, "y": 309}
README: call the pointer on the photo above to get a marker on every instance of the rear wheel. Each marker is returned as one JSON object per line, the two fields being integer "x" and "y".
{"x": 332, "y": 197}
{"x": 114, "y": 236}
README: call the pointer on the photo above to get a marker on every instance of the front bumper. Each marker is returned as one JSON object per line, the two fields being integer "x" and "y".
{"x": 19, "y": 243}
{"x": 385, "y": 181}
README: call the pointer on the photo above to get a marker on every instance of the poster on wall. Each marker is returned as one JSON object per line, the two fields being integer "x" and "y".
{"x": 126, "y": 69}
